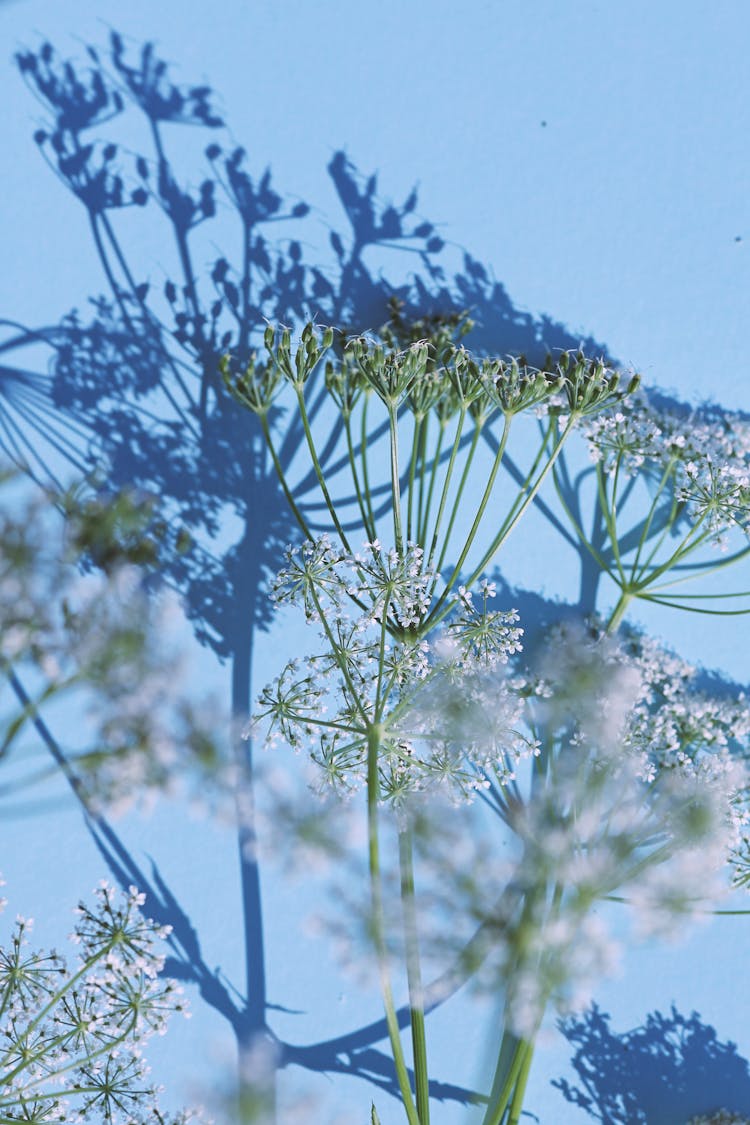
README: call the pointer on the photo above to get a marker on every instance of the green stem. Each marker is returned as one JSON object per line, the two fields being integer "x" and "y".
{"x": 414, "y": 976}
{"x": 107, "y": 1048}
{"x": 398, "y": 533}
{"x": 376, "y": 900}
{"x": 685, "y": 548}
{"x": 426, "y": 491}
{"x": 363, "y": 451}
{"x": 516, "y": 513}
{"x": 626, "y": 902}
{"x": 581, "y": 534}
{"x": 446, "y": 488}
{"x": 318, "y": 468}
{"x": 517, "y": 1104}
{"x": 364, "y": 512}
{"x": 339, "y": 657}
{"x": 70, "y": 983}
{"x": 610, "y": 520}
{"x": 696, "y": 570}
{"x": 381, "y": 697}
{"x": 477, "y": 520}
{"x": 619, "y": 611}
{"x": 282, "y": 479}
{"x": 650, "y": 516}
{"x": 499, "y": 1097}
{"x": 416, "y": 438}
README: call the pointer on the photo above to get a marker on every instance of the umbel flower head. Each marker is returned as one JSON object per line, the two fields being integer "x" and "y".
{"x": 703, "y": 461}
{"x": 71, "y": 1040}
{"x": 588, "y": 805}
{"x": 395, "y": 375}
{"x": 361, "y": 679}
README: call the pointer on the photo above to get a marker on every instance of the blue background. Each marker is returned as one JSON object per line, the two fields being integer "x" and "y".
{"x": 595, "y": 158}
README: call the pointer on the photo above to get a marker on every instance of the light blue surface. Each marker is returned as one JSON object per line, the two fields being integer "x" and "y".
{"x": 595, "y": 157}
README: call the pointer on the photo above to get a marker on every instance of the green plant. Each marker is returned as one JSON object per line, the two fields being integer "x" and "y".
{"x": 610, "y": 774}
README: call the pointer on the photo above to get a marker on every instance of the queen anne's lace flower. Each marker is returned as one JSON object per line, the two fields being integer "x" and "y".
{"x": 327, "y": 702}
{"x": 703, "y": 460}
{"x": 71, "y": 1042}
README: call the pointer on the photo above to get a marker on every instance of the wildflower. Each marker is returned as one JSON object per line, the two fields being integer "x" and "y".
{"x": 71, "y": 1042}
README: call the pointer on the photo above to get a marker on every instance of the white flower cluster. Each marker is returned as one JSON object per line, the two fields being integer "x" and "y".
{"x": 376, "y": 671}
{"x": 102, "y": 637}
{"x": 674, "y": 725}
{"x": 632, "y": 783}
{"x": 706, "y": 460}
{"x": 594, "y": 823}
{"x": 71, "y": 1041}
{"x": 594, "y": 829}
{"x": 383, "y": 582}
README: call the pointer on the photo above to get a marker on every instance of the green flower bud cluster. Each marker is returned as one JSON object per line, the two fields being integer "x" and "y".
{"x": 590, "y": 385}
{"x": 256, "y": 387}
{"x": 306, "y": 356}
{"x": 514, "y": 386}
{"x": 345, "y": 383}
{"x": 391, "y": 374}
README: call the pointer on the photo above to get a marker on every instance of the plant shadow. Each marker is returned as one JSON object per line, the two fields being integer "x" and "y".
{"x": 133, "y": 384}
{"x": 664, "y": 1072}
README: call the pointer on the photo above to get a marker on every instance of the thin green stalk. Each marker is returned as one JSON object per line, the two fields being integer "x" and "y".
{"x": 696, "y": 608}
{"x": 610, "y": 521}
{"x": 517, "y": 1104}
{"x": 106, "y": 1048}
{"x": 477, "y": 521}
{"x": 376, "y": 900}
{"x": 329, "y": 725}
{"x": 699, "y": 597}
{"x": 619, "y": 611}
{"x": 381, "y": 697}
{"x": 425, "y": 502}
{"x": 582, "y": 536}
{"x": 363, "y": 453}
{"x": 282, "y": 478}
{"x": 339, "y": 658}
{"x": 446, "y": 488}
{"x": 415, "y": 441}
{"x": 425, "y": 492}
{"x": 499, "y": 1100}
{"x": 513, "y": 517}
{"x": 45, "y": 1095}
{"x": 318, "y": 468}
{"x": 364, "y": 512}
{"x": 668, "y": 524}
{"x": 70, "y": 983}
{"x": 414, "y": 976}
{"x": 626, "y": 902}
{"x": 685, "y": 548}
{"x": 398, "y": 532}
{"x": 456, "y": 502}
{"x": 697, "y": 569}
{"x": 440, "y": 610}
{"x": 650, "y": 516}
